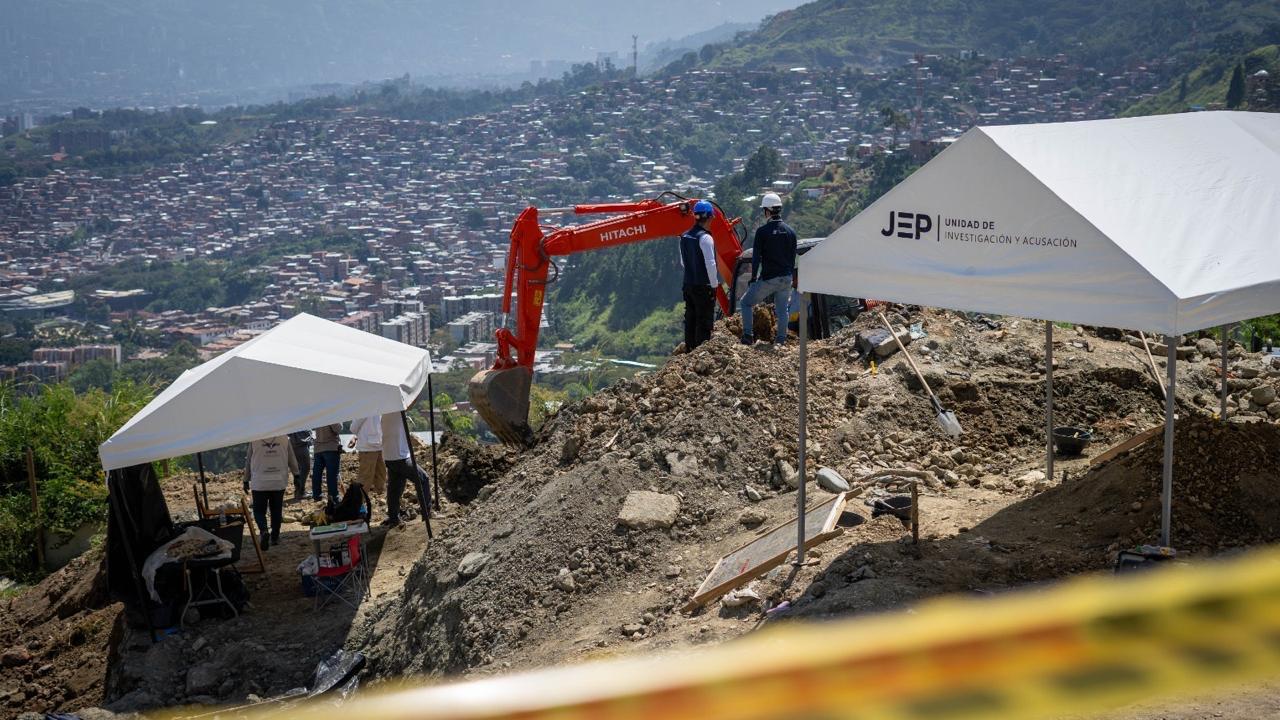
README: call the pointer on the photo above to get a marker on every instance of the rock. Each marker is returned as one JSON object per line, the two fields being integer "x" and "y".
{"x": 472, "y": 563}
{"x": 681, "y": 465}
{"x": 672, "y": 571}
{"x": 751, "y": 517}
{"x": 1207, "y": 347}
{"x": 1247, "y": 372}
{"x": 204, "y": 677}
{"x": 863, "y": 572}
{"x": 569, "y": 450}
{"x": 1274, "y": 409}
{"x": 1263, "y": 395}
{"x": 1186, "y": 352}
{"x": 15, "y": 656}
{"x": 753, "y": 494}
{"x": 831, "y": 481}
{"x": 1031, "y": 477}
{"x": 632, "y": 629}
{"x": 647, "y": 510}
{"x": 788, "y": 474}
{"x": 741, "y": 596}
{"x": 199, "y": 644}
{"x": 564, "y": 581}
{"x": 880, "y": 342}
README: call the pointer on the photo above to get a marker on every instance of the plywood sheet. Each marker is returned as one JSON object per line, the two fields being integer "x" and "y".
{"x": 768, "y": 550}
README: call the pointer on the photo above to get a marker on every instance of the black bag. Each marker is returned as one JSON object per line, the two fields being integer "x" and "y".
{"x": 354, "y": 505}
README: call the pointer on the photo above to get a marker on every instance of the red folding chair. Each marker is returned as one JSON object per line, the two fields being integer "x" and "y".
{"x": 346, "y": 582}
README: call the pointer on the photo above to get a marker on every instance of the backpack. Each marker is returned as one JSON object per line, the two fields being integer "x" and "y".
{"x": 354, "y": 505}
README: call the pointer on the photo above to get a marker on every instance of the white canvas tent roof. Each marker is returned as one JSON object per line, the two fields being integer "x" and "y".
{"x": 1168, "y": 223}
{"x": 304, "y": 373}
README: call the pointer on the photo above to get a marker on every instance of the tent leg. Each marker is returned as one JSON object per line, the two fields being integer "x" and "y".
{"x": 1048, "y": 400}
{"x": 1222, "y": 401}
{"x": 114, "y": 511}
{"x": 204, "y": 484}
{"x": 417, "y": 479}
{"x": 802, "y": 419}
{"x": 435, "y": 469}
{"x": 1166, "y": 493}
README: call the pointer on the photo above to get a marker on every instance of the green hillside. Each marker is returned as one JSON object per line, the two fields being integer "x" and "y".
{"x": 829, "y": 33}
{"x": 1206, "y": 86}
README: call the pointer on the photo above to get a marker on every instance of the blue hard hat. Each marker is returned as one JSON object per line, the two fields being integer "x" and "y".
{"x": 702, "y": 207}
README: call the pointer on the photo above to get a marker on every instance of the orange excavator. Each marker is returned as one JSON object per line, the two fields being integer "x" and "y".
{"x": 501, "y": 393}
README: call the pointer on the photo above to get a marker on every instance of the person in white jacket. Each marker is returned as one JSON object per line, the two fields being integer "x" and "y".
{"x": 267, "y": 469}
{"x": 368, "y": 446}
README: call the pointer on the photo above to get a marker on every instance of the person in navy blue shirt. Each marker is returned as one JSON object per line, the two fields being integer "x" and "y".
{"x": 773, "y": 266}
{"x": 698, "y": 258}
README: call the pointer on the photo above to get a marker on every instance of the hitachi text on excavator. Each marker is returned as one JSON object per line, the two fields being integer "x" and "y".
{"x": 501, "y": 393}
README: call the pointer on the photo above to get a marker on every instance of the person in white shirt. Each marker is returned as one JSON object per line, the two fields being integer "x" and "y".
{"x": 368, "y": 446}
{"x": 395, "y": 455}
{"x": 267, "y": 469}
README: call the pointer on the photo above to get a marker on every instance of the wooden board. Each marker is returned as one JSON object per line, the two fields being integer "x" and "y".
{"x": 1129, "y": 444}
{"x": 768, "y": 551}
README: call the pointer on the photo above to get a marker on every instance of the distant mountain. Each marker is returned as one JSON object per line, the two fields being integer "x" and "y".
{"x": 659, "y": 54}
{"x": 106, "y": 51}
{"x": 870, "y": 33}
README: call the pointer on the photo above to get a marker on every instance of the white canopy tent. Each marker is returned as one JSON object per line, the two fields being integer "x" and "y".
{"x": 1168, "y": 223}
{"x": 304, "y": 373}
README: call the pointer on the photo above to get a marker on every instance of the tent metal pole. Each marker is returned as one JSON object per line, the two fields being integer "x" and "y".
{"x": 802, "y": 417}
{"x": 417, "y": 479}
{"x": 435, "y": 469}
{"x": 1166, "y": 493}
{"x": 1048, "y": 400}
{"x": 204, "y": 485}
{"x": 1222, "y": 400}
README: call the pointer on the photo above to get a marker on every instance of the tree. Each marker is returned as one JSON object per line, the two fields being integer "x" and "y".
{"x": 474, "y": 219}
{"x": 896, "y": 120}
{"x": 762, "y": 167}
{"x": 1182, "y": 89}
{"x": 1235, "y": 92}
{"x": 98, "y": 373}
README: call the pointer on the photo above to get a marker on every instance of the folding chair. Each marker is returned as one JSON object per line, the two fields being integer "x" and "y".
{"x": 206, "y": 513}
{"x": 349, "y": 581}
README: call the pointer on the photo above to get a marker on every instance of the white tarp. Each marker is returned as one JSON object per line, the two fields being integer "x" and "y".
{"x": 301, "y": 374}
{"x": 1168, "y": 223}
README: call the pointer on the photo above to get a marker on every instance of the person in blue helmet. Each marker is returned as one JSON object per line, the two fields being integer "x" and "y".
{"x": 698, "y": 258}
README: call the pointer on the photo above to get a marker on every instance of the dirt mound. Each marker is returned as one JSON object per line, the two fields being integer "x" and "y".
{"x": 1223, "y": 491}
{"x": 59, "y": 638}
{"x": 714, "y": 429}
{"x": 466, "y": 467}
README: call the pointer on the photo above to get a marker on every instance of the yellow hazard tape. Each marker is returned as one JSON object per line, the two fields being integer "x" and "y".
{"x": 1085, "y": 645}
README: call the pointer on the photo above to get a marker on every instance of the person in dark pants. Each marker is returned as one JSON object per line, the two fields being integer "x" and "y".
{"x": 395, "y": 453}
{"x": 267, "y": 468}
{"x": 328, "y": 452}
{"x": 698, "y": 258}
{"x": 301, "y": 442}
{"x": 773, "y": 266}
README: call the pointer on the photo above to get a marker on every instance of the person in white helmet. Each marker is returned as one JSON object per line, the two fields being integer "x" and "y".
{"x": 773, "y": 265}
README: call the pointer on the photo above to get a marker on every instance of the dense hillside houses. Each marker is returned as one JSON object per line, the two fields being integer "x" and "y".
{"x": 427, "y": 204}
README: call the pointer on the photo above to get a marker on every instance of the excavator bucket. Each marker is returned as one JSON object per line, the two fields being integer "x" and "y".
{"x": 502, "y": 399}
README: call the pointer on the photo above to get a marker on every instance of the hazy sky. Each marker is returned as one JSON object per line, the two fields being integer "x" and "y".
{"x": 60, "y": 47}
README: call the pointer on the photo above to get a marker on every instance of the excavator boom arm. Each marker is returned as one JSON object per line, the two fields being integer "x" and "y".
{"x": 501, "y": 393}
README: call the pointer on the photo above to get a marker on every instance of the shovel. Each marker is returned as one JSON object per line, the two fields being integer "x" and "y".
{"x": 946, "y": 419}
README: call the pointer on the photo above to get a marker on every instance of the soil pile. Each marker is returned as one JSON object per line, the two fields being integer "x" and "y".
{"x": 58, "y": 640}
{"x": 546, "y": 561}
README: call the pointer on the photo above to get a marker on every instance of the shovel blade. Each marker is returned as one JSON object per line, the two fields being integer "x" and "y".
{"x": 950, "y": 425}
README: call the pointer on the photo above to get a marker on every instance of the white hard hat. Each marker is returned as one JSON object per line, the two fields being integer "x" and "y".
{"x": 771, "y": 200}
